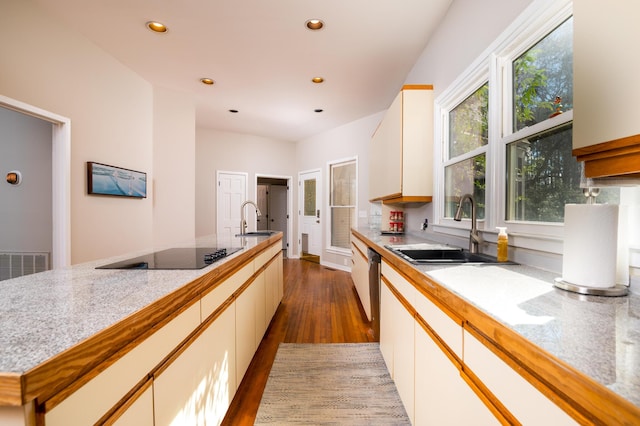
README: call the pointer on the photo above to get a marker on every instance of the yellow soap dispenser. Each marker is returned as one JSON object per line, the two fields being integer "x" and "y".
{"x": 503, "y": 244}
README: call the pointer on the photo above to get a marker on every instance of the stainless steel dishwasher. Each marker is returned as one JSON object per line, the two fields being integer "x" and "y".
{"x": 374, "y": 291}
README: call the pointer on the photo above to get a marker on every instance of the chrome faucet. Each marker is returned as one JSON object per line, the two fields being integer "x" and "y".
{"x": 243, "y": 219}
{"x": 474, "y": 237}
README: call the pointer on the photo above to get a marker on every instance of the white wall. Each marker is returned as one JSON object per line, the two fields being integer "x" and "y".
{"x": 234, "y": 152}
{"x": 347, "y": 141}
{"x": 25, "y": 209}
{"x": 174, "y": 181}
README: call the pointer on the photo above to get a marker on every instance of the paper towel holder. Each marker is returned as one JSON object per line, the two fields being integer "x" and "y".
{"x": 615, "y": 291}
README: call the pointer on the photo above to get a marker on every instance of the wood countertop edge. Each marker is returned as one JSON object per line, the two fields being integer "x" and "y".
{"x": 593, "y": 403}
{"x": 83, "y": 361}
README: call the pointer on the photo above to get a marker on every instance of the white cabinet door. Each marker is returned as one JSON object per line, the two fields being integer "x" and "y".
{"x": 258, "y": 288}
{"x": 280, "y": 284}
{"x": 606, "y": 89}
{"x": 360, "y": 275}
{"x": 246, "y": 320}
{"x": 386, "y": 326}
{"x": 417, "y": 143}
{"x": 606, "y": 129}
{"x": 198, "y": 386}
{"x": 520, "y": 397}
{"x": 401, "y": 150}
{"x": 251, "y": 322}
{"x": 271, "y": 291}
{"x": 403, "y": 357}
{"x": 385, "y": 164}
{"x": 442, "y": 396}
{"x": 398, "y": 325}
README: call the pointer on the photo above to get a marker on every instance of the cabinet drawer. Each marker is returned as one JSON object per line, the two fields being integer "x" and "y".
{"x": 212, "y": 300}
{"x": 267, "y": 255}
{"x": 82, "y": 407}
{"x": 360, "y": 245}
{"x": 406, "y": 289}
{"x": 445, "y": 327}
{"x": 140, "y": 411}
{"x": 360, "y": 277}
{"x": 520, "y": 397}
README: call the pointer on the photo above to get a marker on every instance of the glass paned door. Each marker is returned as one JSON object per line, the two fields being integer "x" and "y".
{"x": 311, "y": 228}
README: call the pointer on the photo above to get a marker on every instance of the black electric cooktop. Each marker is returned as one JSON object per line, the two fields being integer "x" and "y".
{"x": 175, "y": 258}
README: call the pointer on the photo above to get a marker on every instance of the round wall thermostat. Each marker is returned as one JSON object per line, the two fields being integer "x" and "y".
{"x": 14, "y": 177}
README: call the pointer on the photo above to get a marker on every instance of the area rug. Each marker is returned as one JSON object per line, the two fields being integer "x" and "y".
{"x": 330, "y": 384}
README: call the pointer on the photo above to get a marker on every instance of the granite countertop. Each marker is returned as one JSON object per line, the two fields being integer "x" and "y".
{"x": 44, "y": 314}
{"x": 598, "y": 336}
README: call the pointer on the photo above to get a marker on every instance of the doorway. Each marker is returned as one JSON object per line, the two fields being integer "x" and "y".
{"x": 60, "y": 177}
{"x": 273, "y": 198}
{"x": 310, "y": 227}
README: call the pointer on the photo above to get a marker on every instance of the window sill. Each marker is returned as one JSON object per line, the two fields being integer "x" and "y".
{"x": 547, "y": 244}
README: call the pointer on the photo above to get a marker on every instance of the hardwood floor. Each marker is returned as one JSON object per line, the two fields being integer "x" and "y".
{"x": 319, "y": 305}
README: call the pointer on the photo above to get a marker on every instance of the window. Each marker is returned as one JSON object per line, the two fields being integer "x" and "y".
{"x": 541, "y": 173}
{"x": 505, "y": 131}
{"x": 542, "y": 176}
{"x": 467, "y": 140}
{"x": 543, "y": 78}
{"x": 342, "y": 202}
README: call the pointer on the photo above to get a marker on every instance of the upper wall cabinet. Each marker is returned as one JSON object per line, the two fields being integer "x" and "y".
{"x": 401, "y": 154}
{"x": 606, "y": 132}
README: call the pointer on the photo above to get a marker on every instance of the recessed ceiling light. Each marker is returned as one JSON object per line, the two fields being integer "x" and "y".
{"x": 157, "y": 27}
{"x": 207, "y": 81}
{"x": 317, "y": 79}
{"x": 314, "y": 24}
{"x": 318, "y": 110}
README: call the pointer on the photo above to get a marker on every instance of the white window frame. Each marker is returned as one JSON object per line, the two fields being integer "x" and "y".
{"x": 469, "y": 83}
{"x": 331, "y": 248}
{"x": 540, "y": 18}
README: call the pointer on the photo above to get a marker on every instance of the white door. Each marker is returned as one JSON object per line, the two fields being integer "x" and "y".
{"x": 311, "y": 229}
{"x": 232, "y": 192}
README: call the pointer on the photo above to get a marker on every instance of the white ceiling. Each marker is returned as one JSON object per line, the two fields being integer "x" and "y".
{"x": 262, "y": 57}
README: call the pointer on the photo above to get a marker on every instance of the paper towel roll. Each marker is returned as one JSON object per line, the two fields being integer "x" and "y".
{"x": 590, "y": 245}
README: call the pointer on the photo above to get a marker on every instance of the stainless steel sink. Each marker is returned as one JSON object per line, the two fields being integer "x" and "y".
{"x": 427, "y": 254}
{"x": 257, "y": 233}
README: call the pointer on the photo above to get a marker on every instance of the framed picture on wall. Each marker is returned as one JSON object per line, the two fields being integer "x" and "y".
{"x": 103, "y": 179}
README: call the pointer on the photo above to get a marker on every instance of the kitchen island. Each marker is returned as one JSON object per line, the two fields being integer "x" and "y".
{"x": 82, "y": 345}
{"x": 524, "y": 347}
